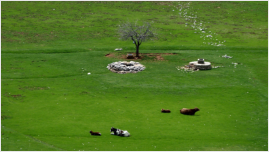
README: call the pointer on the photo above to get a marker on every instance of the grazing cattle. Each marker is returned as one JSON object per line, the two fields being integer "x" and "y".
{"x": 119, "y": 132}
{"x": 186, "y": 111}
{"x": 165, "y": 111}
{"x": 95, "y": 133}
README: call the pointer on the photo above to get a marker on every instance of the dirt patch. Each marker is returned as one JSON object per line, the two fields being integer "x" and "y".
{"x": 109, "y": 55}
{"x": 164, "y": 3}
{"x": 84, "y": 92}
{"x": 16, "y": 96}
{"x": 142, "y": 56}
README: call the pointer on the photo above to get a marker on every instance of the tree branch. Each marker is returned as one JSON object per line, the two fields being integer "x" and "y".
{"x": 136, "y": 33}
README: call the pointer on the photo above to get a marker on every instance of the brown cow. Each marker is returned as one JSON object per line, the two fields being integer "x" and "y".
{"x": 95, "y": 133}
{"x": 186, "y": 111}
{"x": 165, "y": 111}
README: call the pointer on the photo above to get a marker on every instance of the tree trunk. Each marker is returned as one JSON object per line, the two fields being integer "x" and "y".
{"x": 137, "y": 50}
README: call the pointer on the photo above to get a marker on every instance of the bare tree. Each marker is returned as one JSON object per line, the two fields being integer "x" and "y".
{"x": 136, "y": 33}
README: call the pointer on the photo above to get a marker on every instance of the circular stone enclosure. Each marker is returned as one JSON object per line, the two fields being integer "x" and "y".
{"x": 123, "y": 67}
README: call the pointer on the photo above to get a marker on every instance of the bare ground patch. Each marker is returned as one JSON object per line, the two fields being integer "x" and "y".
{"x": 142, "y": 56}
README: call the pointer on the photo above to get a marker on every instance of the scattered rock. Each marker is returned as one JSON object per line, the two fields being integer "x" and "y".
{"x": 118, "y": 49}
{"x": 215, "y": 67}
{"x": 225, "y": 56}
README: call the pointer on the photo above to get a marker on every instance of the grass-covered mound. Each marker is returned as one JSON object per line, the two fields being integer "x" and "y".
{"x": 49, "y": 102}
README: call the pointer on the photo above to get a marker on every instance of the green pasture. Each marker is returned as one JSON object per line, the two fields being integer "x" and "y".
{"x": 49, "y": 102}
{"x": 92, "y": 25}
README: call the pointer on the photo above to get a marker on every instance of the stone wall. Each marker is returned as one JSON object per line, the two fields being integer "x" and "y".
{"x": 123, "y": 67}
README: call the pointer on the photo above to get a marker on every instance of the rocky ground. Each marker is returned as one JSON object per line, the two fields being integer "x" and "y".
{"x": 123, "y": 67}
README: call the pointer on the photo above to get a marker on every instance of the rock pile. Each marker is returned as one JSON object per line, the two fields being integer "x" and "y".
{"x": 123, "y": 67}
{"x": 118, "y": 49}
{"x": 187, "y": 68}
{"x": 226, "y": 56}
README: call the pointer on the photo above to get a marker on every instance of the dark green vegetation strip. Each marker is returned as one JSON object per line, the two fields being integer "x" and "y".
{"x": 49, "y": 102}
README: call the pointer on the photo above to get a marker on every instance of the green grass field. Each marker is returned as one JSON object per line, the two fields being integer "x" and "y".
{"x": 50, "y": 103}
